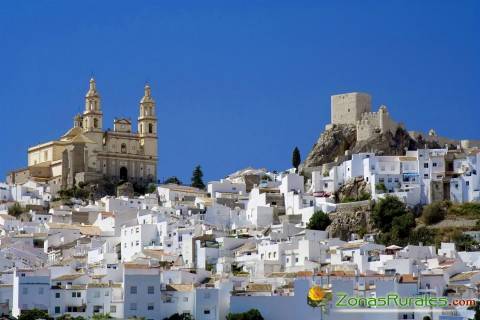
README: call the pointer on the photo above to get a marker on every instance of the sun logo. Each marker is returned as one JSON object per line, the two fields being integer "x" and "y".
{"x": 318, "y": 297}
{"x": 316, "y": 294}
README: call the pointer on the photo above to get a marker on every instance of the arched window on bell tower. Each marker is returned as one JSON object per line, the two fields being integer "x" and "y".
{"x": 150, "y": 128}
{"x": 124, "y": 148}
{"x": 95, "y": 123}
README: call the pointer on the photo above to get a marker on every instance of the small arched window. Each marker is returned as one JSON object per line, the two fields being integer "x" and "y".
{"x": 150, "y": 128}
{"x": 141, "y": 127}
{"x": 95, "y": 122}
{"x": 124, "y": 148}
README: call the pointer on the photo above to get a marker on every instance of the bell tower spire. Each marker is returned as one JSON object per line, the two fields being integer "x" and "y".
{"x": 92, "y": 115}
{"x": 147, "y": 123}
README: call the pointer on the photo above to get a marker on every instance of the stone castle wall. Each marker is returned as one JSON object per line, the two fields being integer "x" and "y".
{"x": 348, "y": 108}
{"x": 375, "y": 122}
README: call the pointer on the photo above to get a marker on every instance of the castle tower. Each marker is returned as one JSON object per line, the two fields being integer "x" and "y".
{"x": 147, "y": 123}
{"x": 92, "y": 116}
{"x": 348, "y": 108}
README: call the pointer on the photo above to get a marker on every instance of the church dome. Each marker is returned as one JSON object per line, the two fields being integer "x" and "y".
{"x": 72, "y": 133}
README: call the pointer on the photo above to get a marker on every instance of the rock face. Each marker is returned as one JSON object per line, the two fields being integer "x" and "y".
{"x": 353, "y": 220}
{"x": 353, "y": 189}
{"x": 333, "y": 143}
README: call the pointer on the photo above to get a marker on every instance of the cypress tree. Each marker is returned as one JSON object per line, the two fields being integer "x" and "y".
{"x": 197, "y": 175}
{"x": 296, "y": 159}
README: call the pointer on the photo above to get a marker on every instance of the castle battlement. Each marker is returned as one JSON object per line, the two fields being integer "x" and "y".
{"x": 355, "y": 108}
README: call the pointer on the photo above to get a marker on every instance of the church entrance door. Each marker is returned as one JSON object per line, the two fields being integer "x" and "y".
{"x": 123, "y": 174}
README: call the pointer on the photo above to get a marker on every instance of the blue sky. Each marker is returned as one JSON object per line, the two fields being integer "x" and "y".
{"x": 237, "y": 83}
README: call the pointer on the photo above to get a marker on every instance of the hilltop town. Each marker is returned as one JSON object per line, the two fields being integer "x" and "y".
{"x": 87, "y": 230}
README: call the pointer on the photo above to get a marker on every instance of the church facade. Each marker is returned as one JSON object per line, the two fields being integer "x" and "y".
{"x": 87, "y": 153}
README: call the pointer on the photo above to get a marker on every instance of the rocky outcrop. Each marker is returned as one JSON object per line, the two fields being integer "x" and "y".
{"x": 345, "y": 222}
{"x": 356, "y": 189}
{"x": 331, "y": 144}
{"x": 334, "y": 142}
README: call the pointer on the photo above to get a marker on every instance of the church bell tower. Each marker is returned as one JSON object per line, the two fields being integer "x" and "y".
{"x": 147, "y": 123}
{"x": 92, "y": 116}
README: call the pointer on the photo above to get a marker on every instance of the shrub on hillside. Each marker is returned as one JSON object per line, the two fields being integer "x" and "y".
{"x": 252, "y": 314}
{"x": 386, "y": 210}
{"x": 319, "y": 221}
{"x": 434, "y": 213}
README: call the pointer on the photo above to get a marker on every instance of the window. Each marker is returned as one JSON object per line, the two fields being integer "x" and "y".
{"x": 185, "y": 299}
{"x": 113, "y": 309}
{"x": 137, "y": 243}
{"x": 425, "y": 175}
{"x": 467, "y": 183}
{"x": 150, "y": 128}
{"x": 133, "y": 306}
{"x": 57, "y": 295}
{"x": 296, "y": 259}
{"x": 389, "y": 180}
{"x": 137, "y": 230}
{"x": 150, "y": 306}
{"x": 123, "y": 148}
{"x": 96, "y": 294}
{"x": 206, "y": 311}
{"x": 95, "y": 122}
{"x": 381, "y": 180}
{"x": 24, "y": 290}
{"x": 57, "y": 309}
{"x": 425, "y": 165}
{"x": 151, "y": 290}
{"x": 434, "y": 164}
{"x": 133, "y": 290}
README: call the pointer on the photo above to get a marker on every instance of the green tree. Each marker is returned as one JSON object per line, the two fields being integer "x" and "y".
{"x": 34, "y": 314}
{"x": 319, "y": 221}
{"x": 183, "y": 316}
{"x": 151, "y": 188}
{"x": 422, "y": 235}
{"x": 173, "y": 180}
{"x": 252, "y": 314}
{"x": 69, "y": 317}
{"x": 296, "y": 158}
{"x": 16, "y": 209}
{"x": 101, "y": 316}
{"x": 381, "y": 188}
{"x": 464, "y": 242}
{"x": 197, "y": 176}
{"x": 402, "y": 226}
{"x": 434, "y": 213}
{"x": 386, "y": 210}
